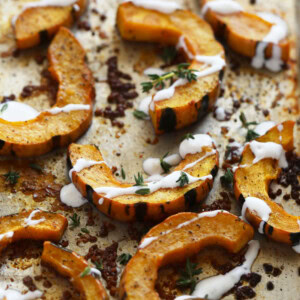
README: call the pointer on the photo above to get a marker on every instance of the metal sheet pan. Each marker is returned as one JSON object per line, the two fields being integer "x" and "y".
{"x": 277, "y": 93}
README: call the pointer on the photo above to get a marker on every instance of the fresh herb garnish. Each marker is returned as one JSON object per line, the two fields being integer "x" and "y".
{"x": 187, "y": 279}
{"x": 168, "y": 54}
{"x": 36, "y": 167}
{"x": 124, "y": 258}
{"x": 183, "y": 179}
{"x": 139, "y": 114}
{"x": 158, "y": 81}
{"x": 12, "y": 177}
{"x": 123, "y": 173}
{"x": 4, "y": 108}
{"x": 84, "y": 230}
{"x": 227, "y": 179}
{"x": 99, "y": 265}
{"x": 251, "y": 134}
{"x": 86, "y": 271}
{"x": 165, "y": 166}
{"x": 139, "y": 180}
{"x": 188, "y": 136}
{"x": 144, "y": 191}
{"x": 75, "y": 221}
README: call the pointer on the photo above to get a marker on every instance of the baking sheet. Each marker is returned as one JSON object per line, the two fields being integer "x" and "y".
{"x": 129, "y": 147}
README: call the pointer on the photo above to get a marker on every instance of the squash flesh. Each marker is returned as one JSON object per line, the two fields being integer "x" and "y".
{"x": 47, "y": 131}
{"x": 34, "y": 23}
{"x": 254, "y": 181}
{"x": 242, "y": 32}
{"x": 52, "y": 228}
{"x": 139, "y": 24}
{"x": 140, "y": 274}
{"x": 70, "y": 264}
{"x": 158, "y": 204}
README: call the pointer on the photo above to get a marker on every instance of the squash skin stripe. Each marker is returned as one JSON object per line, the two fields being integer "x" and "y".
{"x": 138, "y": 278}
{"x": 51, "y": 229}
{"x": 278, "y": 227}
{"x": 70, "y": 264}
{"x": 137, "y": 207}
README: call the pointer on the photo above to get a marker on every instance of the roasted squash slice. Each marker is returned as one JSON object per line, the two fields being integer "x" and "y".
{"x": 253, "y": 180}
{"x": 34, "y": 225}
{"x": 38, "y": 23}
{"x": 175, "y": 239}
{"x": 47, "y": 130}
{"x": 154, "y": 206}
{"x": 72, "y": 265}
{"x": 243, "y": 31}
{"x": 192, "y": 101}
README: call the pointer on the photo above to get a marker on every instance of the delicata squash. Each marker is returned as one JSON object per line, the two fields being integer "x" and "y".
{"x": 40, "y": 21}
{"x": 153, "y": 200}
{"x": 175, "y": 239}
{"x": 252, "y": 180}
{"x": 190, "y": 101}
{"x": 242, "y": 31}
{"x": 72, "y": 114}
{"x": 74, "y": 266}
{"x": 34, "y": 225}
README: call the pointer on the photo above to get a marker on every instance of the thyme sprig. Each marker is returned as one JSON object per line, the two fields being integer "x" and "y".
{"x": 251, "y": 134}
{"x": 227, "y": 179}
{"x": 124, "y": 258}
{"x": 183, "y": 179}
{"x": 75, "y": 221}
{"x": 159, "y": 81}
{"x": 12, "y": 177}
{"x": 165, "y": 166}
{"x": 187, "y": 279}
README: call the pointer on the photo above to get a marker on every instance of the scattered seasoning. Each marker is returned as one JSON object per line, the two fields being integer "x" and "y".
{"x": 187, "y": 276}
{"x": 11, "y": 97}
{"x": 232, "y": 155}
{"x": 140, "y": 114}
{"x": 183, "y": 179}
{"x": 84, "y": 25}
{"x": 12, "y": 177}
{"x": 244, "y": 292}
{"x": 75, "y": 221}
{"x": 108, "y": 257}
{"x": 105, "y": 228}
{"x": 86, "y": 271}
{"x": 165, "y": 166}
{"x": 158, "y": 81}
{"x": 223, "y": 204}
{"x": 227, "y": 179}
{"x": 124, "y": 258}
{"x": 123, "y": 173}
{"x": 270, "y": 286}
{"x": 268, "y": 268}
{"x": 28, "y": 282}
{"x": 121, "y": 93}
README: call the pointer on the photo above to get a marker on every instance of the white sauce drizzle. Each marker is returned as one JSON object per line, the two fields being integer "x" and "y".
{"x": 30, "y": 222}
{"x": 223, "y": 7}
{"x": 145, "y": 104}
{"x": 169, "y": 181}
{"x": 68, "y": 108}
{"x": 83, "y": 163}
{"x": 209, "y": 214}
{"x": 260, "y": 207}
{"x": 194, "y": 145}
{"x": 17, "y": 111}
{"x": 264, "y": 127}
{"x": 166, "y": 7}
{"x": 42, "y": 3}
{"x": 220, "y": 113}
{"x": 6, "y": 235}
{"x": 278, "y": 32}
{"x": 198, "y": 160}
{"x": 11, "y": 294}
{"x": 268, "y": 150}
{"x": 216, "y": 286}
{"x": 70, "y": 196}
{"x": 152, "y": 165}
{"x": 156, "y": 71}
{"x": 296, "y": 248}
